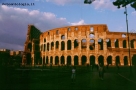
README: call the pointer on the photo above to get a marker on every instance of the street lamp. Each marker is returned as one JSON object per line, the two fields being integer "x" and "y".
{"x": 124, "y": 3}
{"x": 128, "y": 38}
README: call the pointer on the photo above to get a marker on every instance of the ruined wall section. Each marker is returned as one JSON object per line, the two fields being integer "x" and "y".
{"x": 31, "y": 47}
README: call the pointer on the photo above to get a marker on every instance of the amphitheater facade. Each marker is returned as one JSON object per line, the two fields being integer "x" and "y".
{"x": 79, "y": 45}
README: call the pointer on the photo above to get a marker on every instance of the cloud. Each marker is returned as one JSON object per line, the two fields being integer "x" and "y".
{"x": 63, "y": 2}
{"x": 104, "y": 4}
{"x": 81, "y": 22}
{"x": 14, "y": 22}
{"x": 134, "y": 13}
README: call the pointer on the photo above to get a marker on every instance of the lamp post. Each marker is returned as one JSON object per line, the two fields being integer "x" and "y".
{"x": 128, "y": 39}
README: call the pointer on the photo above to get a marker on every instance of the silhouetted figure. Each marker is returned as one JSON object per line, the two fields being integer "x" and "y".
{"x": 73, "y": 76}
{"x": 101, "y": 71}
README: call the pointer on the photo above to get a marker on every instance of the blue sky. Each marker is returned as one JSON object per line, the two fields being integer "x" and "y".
{"x": 49, "y": 14}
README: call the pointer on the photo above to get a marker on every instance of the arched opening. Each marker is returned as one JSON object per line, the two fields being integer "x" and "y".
{"x": 57, "y": 32}
{"x": 108, "y": 43}
{"x": 134, "y": 60}
{"x": 116, "y": 43}
{"x": 124, "y": 44}
{"x": 69, "y": 29}
{"x": 68, "y": 60}
{"x": 62, "y": 37}
{"x": 91, "y": 35}
{"x": 62, "y": 45}
{"x": 91, "y": 29}
{"x": 48, "y": 46}
{"x": 69, "y": 45}
{"x": 75, "y": 43}
{"x": 56, "y": 60}
{"x": 51, "y": 59}
{"x": 83, "y": 60}
{"x": 44, "y": 39}
{"x": 30, "y": 47}
{"x": 57, "y": 44}
{"x": 83, "y": 43}
{"x": 125, "y": 60}
{"x": 92, "y": 60}
{"x": 62, "y": 60}
{"x": 28, "y": 58}
{"x": 47, "y": 62}
{"x": 132, "y": 43}
{"x": 75, "y": 60}
{"x": 109, "y": 60}
{"x": 100, "y": 44}
{"x": 44, "y": 47}
{"x": 101, "y": 60}
{"x": 44, "y": 60}
{"x": 92, "y": 44}
{"x": 52, "y": 45}
{"x": 117, "y": 60}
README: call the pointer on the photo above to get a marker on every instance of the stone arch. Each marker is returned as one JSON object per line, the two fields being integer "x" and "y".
{"x": 125, "y": 60}
{"x": 83, "y": 43}
{"x": 69, "y": 45}
{"x": 83, "y": 60}
{"x": 56, "y": 60}
{"x": 62, "y": 45}
{"x": 52, "y": 45}
{"x": 62, "y": 60}
{"x": 62, "y": 37}
{"x": 92, "y": 60}
{"x": 108, "y": 42}
{"x": 134, "y": 60}
{"x": 43, "y": 60}
{"x": 51, "y": 59}
{"x": 57, "y": 32}
{"x": 109, "y": 60}
{"x": 124, "y": 44}
{"x": 132, "y": 43}
{"x": 44, "y": 47}
{"x": 57, "y": 44}
{"x": 48, "y": 46}
{"x": 116, "y": 43}
{"x": 29, "y": 47}
{"x": 75, "y": 43}
{"x": 91, "y": 35}
{"x": 117, "y": 60}
{"x": 68, "y": 60}
{"x": 101, "y": 59}
{"x": 47, "y": 60}
{"x": 100, "y": 44}
{"x": 76, "y": 60}
{"x": 92, "y": 44}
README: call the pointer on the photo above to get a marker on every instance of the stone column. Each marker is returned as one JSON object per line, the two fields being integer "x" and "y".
{"x": 120, "y": 44}
{"x": 96, "y": 59}
{"x": 53, "y": 60}
{"x": 121, "y": 60}
{"x": 79, "y": 59}
{"x": 66, "y": 45}
{"x": 65, "y": 59}
{"x": 72, "y": 60}
{"x": 112, "y": 43}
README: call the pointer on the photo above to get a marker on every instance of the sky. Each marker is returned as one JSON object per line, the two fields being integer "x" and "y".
{"x": 49, "y": 14}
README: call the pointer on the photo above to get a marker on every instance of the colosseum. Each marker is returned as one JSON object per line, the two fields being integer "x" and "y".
{"x": 79, "y": 45}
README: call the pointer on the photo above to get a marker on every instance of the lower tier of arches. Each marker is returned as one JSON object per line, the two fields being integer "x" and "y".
{"x": 84, "y": 60}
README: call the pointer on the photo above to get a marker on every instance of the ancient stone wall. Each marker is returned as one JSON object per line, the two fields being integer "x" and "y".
{"x": 86, "y": 44}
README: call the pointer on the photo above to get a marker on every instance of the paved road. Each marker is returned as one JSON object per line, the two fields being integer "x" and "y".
{"x": 53, "y": 80}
